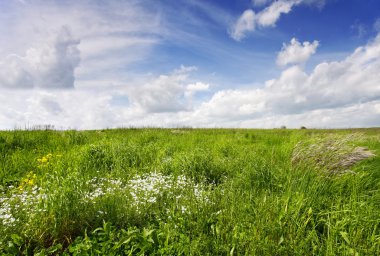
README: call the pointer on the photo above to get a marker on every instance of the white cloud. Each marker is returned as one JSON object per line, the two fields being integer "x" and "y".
{"x": 245, "y": 23}
{"x": 51, "y": 106}
{"x": 167, "y": 93}
{"x": 334, "y": 94}
{"x": 78, "y": 109}
{"x": 14, "y": 73}
{"x": 270, "y": 15}
{"x": 198, "y": 86}
{"x": 231, "y": 104}
{"x": 55, "y": 66}
{"x": 157, "y": 102}
{"x": 51, "y": 66}
{"x": 267, "y": 17}
{"x": 260, "y": 2}
{"x": 359, "y": 29}
{"x": 112, "y": 35}
{"x": 376, "y": 25}
{"x": 355, "y": 116}
{"x": 377, "y": 108}
{"x": 336, "y": 89}
{"x": 295, "y": 52}
{"x": 317, "y": 3}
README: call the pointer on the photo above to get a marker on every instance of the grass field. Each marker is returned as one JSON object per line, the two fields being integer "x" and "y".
{"x": 190, "y": 192}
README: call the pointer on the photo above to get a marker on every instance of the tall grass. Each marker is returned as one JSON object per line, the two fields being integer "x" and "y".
{"x": 188, "y": 192}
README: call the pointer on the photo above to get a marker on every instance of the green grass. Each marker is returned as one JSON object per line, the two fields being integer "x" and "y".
{"x": 189, "y": 192}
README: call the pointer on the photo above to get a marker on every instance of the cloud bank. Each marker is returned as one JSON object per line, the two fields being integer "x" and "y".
{"x": 342, "y": 93}
{"x": 348, "y": 84}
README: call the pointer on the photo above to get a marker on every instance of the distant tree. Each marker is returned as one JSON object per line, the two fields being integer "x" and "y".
{"x": 303, "y": 128}
{"x": 283, "y": 127}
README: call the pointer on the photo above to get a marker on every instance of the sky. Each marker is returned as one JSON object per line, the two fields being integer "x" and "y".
{"x": 94, "y": 64}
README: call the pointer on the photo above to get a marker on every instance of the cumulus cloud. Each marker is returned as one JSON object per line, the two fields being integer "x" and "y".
{"x": 239, "y": 104}
{"x": 295, "y": 52}
{"x": 51, "y": 66}
{"x": 198, "y": 86}
{"x": 167, "y": 93}
{"x": 64, "y": 109}
{"x": 14, "y": 73}
{"x": 160, "y": 101}
{"x": 348, "y": 84}
{"x": 55, "y": 66}
{"x": 342, "y": 93}
{"x": 355, "y": 116}
{"x": 112, "y": 35}
{"x": 51, "y": 106}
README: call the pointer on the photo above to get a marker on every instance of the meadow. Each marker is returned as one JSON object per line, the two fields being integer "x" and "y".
{"x": 190, "y": 192}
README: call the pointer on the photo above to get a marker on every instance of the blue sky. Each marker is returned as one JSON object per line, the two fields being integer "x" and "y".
{"x": 244, "y": 63}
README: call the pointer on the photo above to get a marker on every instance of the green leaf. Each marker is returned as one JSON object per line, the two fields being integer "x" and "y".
{"x": 147, "y": 232}
{"x": 345, "y": 237}
{"x": 17, "y": 240}
{"x": 54, "y": 248}
{"x": 232, "y": 251}
{"x": 281, "y": 240}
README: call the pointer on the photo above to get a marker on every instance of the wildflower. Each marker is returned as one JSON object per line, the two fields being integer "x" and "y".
{"x": 42, "y": 160}
{"x": 19, "y": 202}
{"x": 102, "y": 187}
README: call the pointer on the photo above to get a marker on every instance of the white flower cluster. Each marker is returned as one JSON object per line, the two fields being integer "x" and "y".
{"x": 101, "y": 187}
{"x": 146, "y": 189}
{"x": 17, "y": 202}
{"x": 6, "y": 213}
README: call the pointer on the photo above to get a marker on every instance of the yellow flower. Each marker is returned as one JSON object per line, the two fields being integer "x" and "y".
{"x": 45, "y": 159}
{"x": 28, "y": 181}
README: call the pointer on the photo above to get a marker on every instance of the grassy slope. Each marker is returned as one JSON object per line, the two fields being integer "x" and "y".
{"x": 257, "y": 202}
